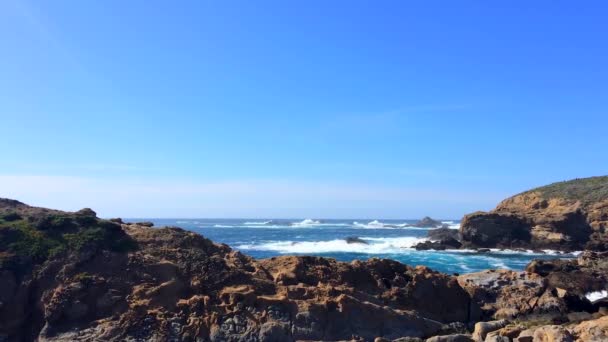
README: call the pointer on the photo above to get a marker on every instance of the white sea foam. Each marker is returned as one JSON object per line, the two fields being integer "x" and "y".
{"x": 520, "y": 252}
{"x": 451, "y": 224}
{"x": 597, "y": 295}
{"x": 306, "y": 223}
{"x": 260, "y": 223}
{"x": 221, "y": 226}
{"x": 375, "y": 224}
{"x": 370, "y": 225}
{"x": 373, "y": 246}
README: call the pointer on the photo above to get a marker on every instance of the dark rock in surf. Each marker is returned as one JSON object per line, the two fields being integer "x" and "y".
{"x": 443, "y": 233}
{"x": 428, "y": 222}
{"x": 355, "y": 239}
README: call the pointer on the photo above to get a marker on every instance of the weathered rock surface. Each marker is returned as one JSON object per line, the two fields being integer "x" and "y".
{"x": 91, "y": 279}
{"x": 569, "y": 215}
{"x": 74, "y": 277}
{"x": 545, "y": 287}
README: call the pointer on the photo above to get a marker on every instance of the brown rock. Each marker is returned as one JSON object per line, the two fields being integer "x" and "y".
{"x": 451, "y": 338}
{"x": 483, "y": 328}
{"x": 592, "y": 331}
{"x": 567, "y": 216}
{"x": 172, "y": 284}
{"x": 552, "y": 333}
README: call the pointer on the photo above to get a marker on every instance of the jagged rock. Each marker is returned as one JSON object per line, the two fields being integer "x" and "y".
{"x": 438, "y": 245}
{"x": 113, "y": 282}
{"x": 128, "y": 282}
{"x": 566, "y": 216}
{"x": 504, "y": 293}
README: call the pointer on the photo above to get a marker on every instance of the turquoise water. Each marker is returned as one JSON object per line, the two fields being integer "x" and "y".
{"x": 391, "y": 239}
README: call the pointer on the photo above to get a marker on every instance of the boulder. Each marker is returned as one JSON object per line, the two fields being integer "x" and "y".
{"x": 483, "y": 328}
{"x": 451, "y": 338}
{"x": 552, "y": 333}
{"x": 592, "y": 331}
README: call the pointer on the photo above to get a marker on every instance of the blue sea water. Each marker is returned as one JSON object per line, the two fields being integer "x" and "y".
{"x": 392, "y": 239}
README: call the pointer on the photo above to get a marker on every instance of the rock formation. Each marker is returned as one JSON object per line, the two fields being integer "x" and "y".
{"x": 441, "y": 239}
{"x": 570, "y": 215}
{"x": 427, "y": 222}
{"x": 75, "y": 277}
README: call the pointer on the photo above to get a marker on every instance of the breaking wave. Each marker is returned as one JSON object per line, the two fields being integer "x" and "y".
{"x": 372, "y": 246}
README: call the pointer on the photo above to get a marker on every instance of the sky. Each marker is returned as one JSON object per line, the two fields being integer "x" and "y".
{"x": 310, "y": 109}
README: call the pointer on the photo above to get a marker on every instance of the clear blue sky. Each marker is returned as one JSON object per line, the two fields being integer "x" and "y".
{"x": 390, "y": 109}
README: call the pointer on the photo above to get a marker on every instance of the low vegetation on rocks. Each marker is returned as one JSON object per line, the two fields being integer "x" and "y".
{"x": 585, "y": 190}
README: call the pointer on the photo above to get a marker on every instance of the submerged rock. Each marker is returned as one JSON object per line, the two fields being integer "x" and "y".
{"x": 355, "y": 239}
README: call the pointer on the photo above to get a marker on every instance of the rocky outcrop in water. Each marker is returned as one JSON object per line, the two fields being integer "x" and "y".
{"x": 440, "y": 239}
{"x": 428, "y": 222}
{"x": 570, "y": 215}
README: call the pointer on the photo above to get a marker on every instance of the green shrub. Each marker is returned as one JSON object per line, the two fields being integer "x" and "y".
{"x": 10, "y": 217}
{"x": 586, "y": 190}
{"x": 50, "y": 236}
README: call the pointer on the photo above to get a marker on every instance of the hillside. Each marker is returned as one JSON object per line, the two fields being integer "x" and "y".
{"x": 587, "y": 191}
{"x": 571, "y": 215}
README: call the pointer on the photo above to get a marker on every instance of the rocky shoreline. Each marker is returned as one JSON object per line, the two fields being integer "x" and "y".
{"x": 75, "y": 277}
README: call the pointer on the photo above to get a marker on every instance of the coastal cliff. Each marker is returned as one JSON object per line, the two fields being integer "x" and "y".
{"x": 571, "y": 215}
{"x": 70, "y": 276}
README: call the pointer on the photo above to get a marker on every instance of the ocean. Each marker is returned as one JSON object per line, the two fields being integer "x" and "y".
{"x": 391, "y": 239}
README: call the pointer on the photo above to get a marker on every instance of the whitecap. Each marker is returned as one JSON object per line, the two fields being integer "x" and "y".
{"x": 596, "y": 295}
{"x": 375, "y": 224}
{"x": 373, "y": 246}
{"x": 306, "y": 223}
{"x": 260, "y": 223}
